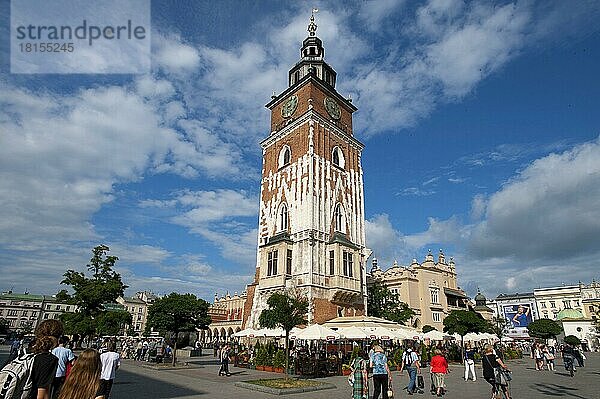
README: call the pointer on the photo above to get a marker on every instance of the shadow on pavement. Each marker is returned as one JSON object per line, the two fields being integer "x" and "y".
{"x": 557, "y": 390}
{"x": 130, "y": 385}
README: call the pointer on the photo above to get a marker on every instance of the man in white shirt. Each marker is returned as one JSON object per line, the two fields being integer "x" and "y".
{"x": 110, "y": 363}
{"x": 65, "y": 356}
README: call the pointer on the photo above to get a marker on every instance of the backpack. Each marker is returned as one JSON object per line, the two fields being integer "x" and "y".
{"x": 15, "y": 378}
{"x": 408, "y": 358}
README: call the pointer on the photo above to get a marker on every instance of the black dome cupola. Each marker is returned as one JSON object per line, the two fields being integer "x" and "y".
{"x": 312, "y": 61}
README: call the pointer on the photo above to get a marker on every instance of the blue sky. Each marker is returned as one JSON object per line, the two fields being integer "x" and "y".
{"x": 480, "y": 122}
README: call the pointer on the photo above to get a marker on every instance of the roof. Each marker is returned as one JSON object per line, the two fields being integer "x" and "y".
{"x": 22, "y": 297}
{"x": 453, "y": 292}
{"x": 569, "y": 314}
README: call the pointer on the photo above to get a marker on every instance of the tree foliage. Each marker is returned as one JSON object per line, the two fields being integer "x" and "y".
{"x": 3, "y": 326}
{"x": 105, "y": 285}
{"x": 427, "y": 328}
{"x": 178, "y": 312}
{"x": 572, "y": 340}
{"x": 462, "y": 322}
{"x": 114, "y": 322}
{"x": 286, "y": 311}
{"x": 381, "y": 302}
{"x": 544, "y": 328}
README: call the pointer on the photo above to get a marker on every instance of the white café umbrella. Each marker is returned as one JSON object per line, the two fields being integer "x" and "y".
{"x": 248, "y": 332}
{"x": 434, "y": 335}
{"x": 403, "y": 333}
{"x": 380, "y": 333}
{"x": 318, "y": 332}
{"x": 353, "y": 333}
{"x": 268, "y": 332}
{"x": 472, "y": 337}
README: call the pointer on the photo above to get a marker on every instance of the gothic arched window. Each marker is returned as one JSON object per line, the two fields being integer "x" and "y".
{"x": 337, "y": 157}
{"x": 285, "y": 156}
{"x": 338, "y": 218}
{"x": 283, "y": 218}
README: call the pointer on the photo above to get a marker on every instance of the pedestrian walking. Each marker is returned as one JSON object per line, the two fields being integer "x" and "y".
{"x": 111, "y": 361}
{"x": 84, "y": 380}
{"x": 492, "y": 372}
{"x": 381, "y": 373}
{"x": 410, "y": 363}
{"x": 359, "y": 377}
{"x": 470, "y": 363}
{"x": 438, "y": 366}
{"x": 548, "y": 352}
{"x": 44, "y": 363}
{"x": 65, "y": 356}
{"x": 224, "y": 370}
{"x": 539, "y": 356}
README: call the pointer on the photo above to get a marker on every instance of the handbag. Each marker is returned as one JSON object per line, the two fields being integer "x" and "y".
{"x": 390, "y": 391}
{"x": 420, "y": 382}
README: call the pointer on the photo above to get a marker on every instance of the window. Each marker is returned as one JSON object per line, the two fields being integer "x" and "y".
{"x": 68, "y": 309}
{"x": 435, "y": 295}
{"x": 139, "y": 317}
{"x": 24, "y": 313}
{"x": 57, "y": 307}
{"x": 553, "y": 304}
{"x": 283, "y": 218}
{"x": 338, "y": 217}
{"x": 33, "y": 314}
{"x": 348, "y": 263}
{"x": 576, "y": 302}
{"x": 567, "y": 304}
{"x": 45, "y": 316}
{"x": 48, "y": 306}
{"x": 543, "y": 305}
{"x": 337, "y": 157}
{"x": 436, "y": 317}
{"x": 12, "y": 312}
{"x": 331, "y": 263}
{"x": 288, "y": 262}
{"x": 285, "y": 155}
{"x": 272, "y": 263}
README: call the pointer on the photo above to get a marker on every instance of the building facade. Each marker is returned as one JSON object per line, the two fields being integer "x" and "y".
{"x": 137, "y": 306}
{"x": 227, "y": 315}
{"x": 24, "y": 312}
{"x": 311, "y": 219}
{"x": 590, "y": 300}
{"x": 428, "y": 288}
{"x": 550, "y": 301}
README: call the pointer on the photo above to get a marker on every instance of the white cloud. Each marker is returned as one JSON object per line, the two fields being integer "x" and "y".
{"x": 174, "y": 55}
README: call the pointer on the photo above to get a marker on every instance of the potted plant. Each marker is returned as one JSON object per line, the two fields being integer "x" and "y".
{"x": 279, "y": 361}
{"x": 346, "y": 369}
{"x": 260, "y": 358}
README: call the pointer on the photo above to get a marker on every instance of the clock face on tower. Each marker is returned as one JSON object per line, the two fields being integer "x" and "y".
{"x": 289, "y": 107}
{"x": 333, "y": 109}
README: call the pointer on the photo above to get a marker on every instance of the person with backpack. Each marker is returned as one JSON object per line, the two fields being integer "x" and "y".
{"x": 31, "y": 374}
{"x": 84, "y": 380}
{"x": 381, "y": 373}
{"x": 410, "y": 363}
{"x": 65, "y": 356}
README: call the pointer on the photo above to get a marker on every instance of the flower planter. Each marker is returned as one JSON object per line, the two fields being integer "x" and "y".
{"x": 278, "y": 369}
{"x": 269, "y": 368}
{"x": 260, "y": 368}
{"x": 346, "y": 372}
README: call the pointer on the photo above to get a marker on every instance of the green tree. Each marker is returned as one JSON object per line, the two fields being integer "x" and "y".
{"x": 91, "y": 293}
{"x": 3, "y": 326}
{"x": 572, "y": 340}
{"x": 427, "y": 328}
{"x": 177, "y": 313}
{"x": 114, "y": 322}
{"x": 462, "y": 322}
{"x": 63, "y": 296}
{"x": 287, "y": 311}
{"x": 544, "y": 328}
{"x": 381, "y": 302}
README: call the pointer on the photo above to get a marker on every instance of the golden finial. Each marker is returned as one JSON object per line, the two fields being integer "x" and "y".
{"x": 312, "y": 27}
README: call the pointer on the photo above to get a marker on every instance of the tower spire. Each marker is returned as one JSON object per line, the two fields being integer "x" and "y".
{"x": 312, "y": 27}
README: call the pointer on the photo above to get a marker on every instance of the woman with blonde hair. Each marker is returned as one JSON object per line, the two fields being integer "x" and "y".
{"x": 84, "y": 380}
{"x": 493, "y": 369}
{"x": 439, "y": 368}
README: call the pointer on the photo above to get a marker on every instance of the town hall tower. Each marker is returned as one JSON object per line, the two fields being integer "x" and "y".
{"x": 311, "y": 232}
